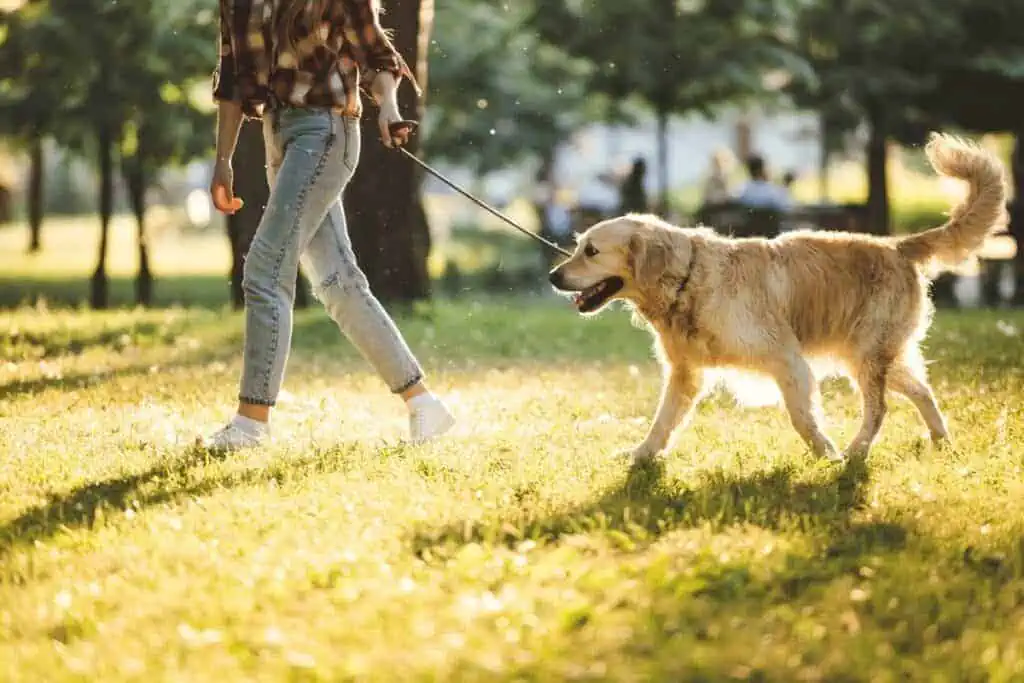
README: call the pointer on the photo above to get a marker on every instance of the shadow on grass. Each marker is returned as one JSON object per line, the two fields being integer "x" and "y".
{"x": 21, "y": 388}
{"x": 35, "y": 344}
{"x": 63, "y": 291}
{"x": 85, "y": 505}
{"x": 645, "y": 505}
{"x": 171, "y": 479}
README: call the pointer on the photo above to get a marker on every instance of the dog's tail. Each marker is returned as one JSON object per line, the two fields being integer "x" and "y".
{"x": 971, "y": 221}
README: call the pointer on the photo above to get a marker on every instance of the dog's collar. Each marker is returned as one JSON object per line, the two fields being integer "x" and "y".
{"x": 685, "y": 280}
{"x": 674, "y": 311}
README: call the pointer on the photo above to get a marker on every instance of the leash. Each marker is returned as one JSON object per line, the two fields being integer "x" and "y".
{"x": 409, "y": 126}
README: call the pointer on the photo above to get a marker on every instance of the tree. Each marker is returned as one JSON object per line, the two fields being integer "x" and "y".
{"x": 874, "y": 60}
{"x": 164, "y": 124}
{"x": 501, "y": 95}
{"x": 678, "y": 56}
{"x": 30, "y": 97}
{"x": 387, "y": 221}
{"x": 120, "y": 90}
{"x": 95, "y": 96}
{"x": 90, "y": 68}
{"x": 980, "y": 87}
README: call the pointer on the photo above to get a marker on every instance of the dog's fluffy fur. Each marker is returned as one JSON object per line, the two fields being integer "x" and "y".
{"x": 771, "y": 306}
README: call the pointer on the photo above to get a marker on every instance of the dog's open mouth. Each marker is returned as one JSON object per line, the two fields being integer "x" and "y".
{"x": 592, "y": 298}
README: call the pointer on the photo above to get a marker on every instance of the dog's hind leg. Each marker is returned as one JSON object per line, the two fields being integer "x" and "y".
{"x": 908, "y": 377}
{"x": 800, "y": 392}
{"x": 871, "y": 376}
{"x": 678, "y": 395}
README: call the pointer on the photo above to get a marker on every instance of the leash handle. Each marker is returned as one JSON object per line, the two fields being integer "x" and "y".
{"x": 409, "y": 127}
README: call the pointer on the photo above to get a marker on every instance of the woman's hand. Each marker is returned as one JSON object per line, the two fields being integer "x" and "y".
{"x": 385, "y": 92}
{"x": 222, "y": 188}
{"x": 393, "y": 137}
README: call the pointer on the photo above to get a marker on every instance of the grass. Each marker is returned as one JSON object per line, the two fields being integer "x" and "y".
{"x": 518, "y": 549}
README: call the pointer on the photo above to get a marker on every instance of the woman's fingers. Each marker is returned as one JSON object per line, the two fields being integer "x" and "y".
{"x": 399, "y": 132}
{"x": 385, "y": 131}
{"x": 224, "y": 200}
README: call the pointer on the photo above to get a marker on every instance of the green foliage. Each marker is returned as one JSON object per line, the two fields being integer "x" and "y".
{"x": 166, "y": 123}
{"x": 908, "y": 64}
{"x": 513, "y": 80}
{"x": 31, "y": 80}
{"x": 981, "y": 82}
{"x": 498, "y": 92}
{"x": 679, "y": 56}
{"x": 70, "y": 67}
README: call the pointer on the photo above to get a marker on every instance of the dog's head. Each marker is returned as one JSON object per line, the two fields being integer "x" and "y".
{"x": 630, "y": 257}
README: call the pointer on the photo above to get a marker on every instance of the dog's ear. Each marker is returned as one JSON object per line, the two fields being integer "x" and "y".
{"x": 648, "y": 257}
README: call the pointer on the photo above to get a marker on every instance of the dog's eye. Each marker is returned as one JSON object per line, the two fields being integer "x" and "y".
{"x": 590, "y": 251}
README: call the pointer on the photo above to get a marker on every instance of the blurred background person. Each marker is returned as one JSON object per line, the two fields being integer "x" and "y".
{"x": 633, "y": 193}
{"x": 759, "y": 192}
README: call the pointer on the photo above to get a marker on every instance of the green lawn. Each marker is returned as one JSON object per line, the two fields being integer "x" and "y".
{"x": 518, "y": 549}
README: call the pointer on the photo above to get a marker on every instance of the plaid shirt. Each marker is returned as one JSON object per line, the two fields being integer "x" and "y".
{"x": 256, "y": 69}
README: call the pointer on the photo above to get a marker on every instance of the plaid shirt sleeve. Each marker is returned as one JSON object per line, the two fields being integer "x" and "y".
{"x": 371, "y": 47}
{"x": 224, "y": 88}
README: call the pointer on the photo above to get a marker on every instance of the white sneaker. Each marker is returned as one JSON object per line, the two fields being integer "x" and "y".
{"x": 429, "y": 418}
{"x": 236, "y": 437}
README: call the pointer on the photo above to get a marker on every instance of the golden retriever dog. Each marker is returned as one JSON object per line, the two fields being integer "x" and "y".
{"x": 772, "y": 307}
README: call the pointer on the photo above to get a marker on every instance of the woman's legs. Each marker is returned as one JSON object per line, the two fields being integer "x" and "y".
{"x": 309, "y": 161}
{"x": 345, "y": 293}
{"x": 311, "y": 156}
{"x": 313, "y": 169}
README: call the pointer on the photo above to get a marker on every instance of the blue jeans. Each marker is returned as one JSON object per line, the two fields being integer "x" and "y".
{"x": 311, "y": 156}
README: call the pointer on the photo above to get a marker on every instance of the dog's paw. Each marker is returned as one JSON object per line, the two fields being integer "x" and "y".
{"x": 828, "y": 452}
{"x": 856, "y": 451}
{"x": 640, "y": 454}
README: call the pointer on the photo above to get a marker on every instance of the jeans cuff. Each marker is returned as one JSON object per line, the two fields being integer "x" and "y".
{"x": 257, "y": 401}
{"x": 417, "y": 378}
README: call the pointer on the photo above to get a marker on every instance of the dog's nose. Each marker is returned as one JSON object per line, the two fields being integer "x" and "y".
{"x": 555, "y": 278}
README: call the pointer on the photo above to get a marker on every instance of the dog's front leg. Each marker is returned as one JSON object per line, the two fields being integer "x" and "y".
{"x": 678, "y": 395}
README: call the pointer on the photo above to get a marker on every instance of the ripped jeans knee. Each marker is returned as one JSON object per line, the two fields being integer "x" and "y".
{"x": 346, "y": 296}
{"x": 348, "y": 282}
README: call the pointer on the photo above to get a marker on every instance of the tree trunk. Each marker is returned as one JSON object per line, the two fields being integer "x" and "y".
{"x": 250, "y": 164}
{"x": 825, "y": 154}
{"x": 135, "y": 180}
{"x": 99, "y": 294}
{"x": 744, "y": 138}
{"x": 36, "y": 176}
{"x": 878, "y": 177}
{"x": 1016, "y": 226}
{"x": 251, "y": 185}
{"x": 663, "y": 182}
{"x": 545, "y": 186}
{"x": 386, "y": 218}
